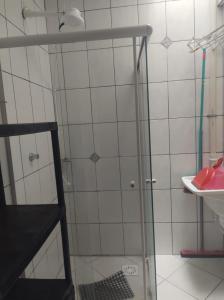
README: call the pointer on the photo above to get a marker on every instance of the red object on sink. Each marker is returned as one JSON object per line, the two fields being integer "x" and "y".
{"x": 210, "y": 178}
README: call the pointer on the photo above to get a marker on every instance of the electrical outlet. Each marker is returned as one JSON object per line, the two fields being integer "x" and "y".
{"x": 130, "y": 270}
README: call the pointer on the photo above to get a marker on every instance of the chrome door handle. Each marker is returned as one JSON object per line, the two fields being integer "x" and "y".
{"x": 33, "y": 156}
{"x": 148, "y": 180}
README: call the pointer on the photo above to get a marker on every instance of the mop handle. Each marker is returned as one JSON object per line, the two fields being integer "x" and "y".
{"x": 200, "y": 139}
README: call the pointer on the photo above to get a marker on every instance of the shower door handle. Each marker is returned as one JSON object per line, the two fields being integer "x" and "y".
{"x": 148, "y": 180}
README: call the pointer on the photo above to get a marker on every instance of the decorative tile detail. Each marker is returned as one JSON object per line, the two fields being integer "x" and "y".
{"x": 94, "y": 157}
{"x": 166, "y": 42}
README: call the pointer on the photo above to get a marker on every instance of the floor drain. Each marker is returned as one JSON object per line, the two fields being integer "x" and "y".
{"x": 115, "y": 287}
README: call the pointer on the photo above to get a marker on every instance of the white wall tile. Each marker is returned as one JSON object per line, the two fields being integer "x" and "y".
{"x": 180, "y": 19}
{"x": 88, "y": 239}
{"x": 206, "y": 146}
{"x": 96, "y": 4}
{"x": 184, "y": 207}
{"x": 57, "y": 103}
{"x": 16, "y": 157}
{"x": 4, "y": 53}
{"x": 86, "y": 207}
{"x": 81, "y": 140}
{"x": 125, "y": 96}
{"x": 182, "y": 165}
{"x": 112, "y": 243}
{"x": 4, "y": 163}
{"x": 18, "y": 55}
{"x": 213, "y": 236}
{"x": 131, "y": 206}
{"x": 32, "y": 188}
{"x": 158, "y": 99}
{"x": 184, "y": 236}
{"x": 181, "y": 105}
{"x": 48, "y": 105}
{"x": 162, "y": 205}
{"x": 202, "y": 12}
{"x": 9, "y": 97}
{"x": 45, "y": 68}
{"x": 160, "y": 136}
{"x": 123, "y": 61}
{"x": 108, "y": 176}
{"x": 23, "y": 100}
{"x": 157, "y": 56}
{"x": 33, "y": 56}
{"x": 42, "y": 149}
{"x": 132, "y": 239}
{"x": 103, "y": 104}
{"x": 13, "y": 10}
{"x": 154, "y": 14}
{"x": 161, "y": 171}
{"x": 101, "y": 68}
{"x": 52, "y": 5}
{"x": 98, "y": 19}
{"x": 79, "y": 106}
{"x": 84, "y": 175}
{"x": 180, "y": 62}
{"x": 110, "y": 208}
{"x": 64, "y": 113}
{"x": 52, "y": 260}
{"x": 73, "y": 63}
{"x": 28, "y": 145}
{"x": 129, "y": 172}
{"x": 163, "y": 238}
{"x": 67, "y": 4}
{"x": 127, "y": 138}
{"x": 37, "y": 103}
{"x": 219, "y": 62}
{"x": 105, "y": 139}
{"x": 20, "y": 192}
{"x": 2, "y": 7}
{"x": 181, "y": 98}
{"x": 45, "y": 186}
{"x": 116, "y": 3}
{"x": 182, "y": 135}
{"x": 122, "y": 17}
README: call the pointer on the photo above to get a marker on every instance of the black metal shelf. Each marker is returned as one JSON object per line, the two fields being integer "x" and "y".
{"x": 41, "y": 289}
{"x": 25, "y": 228}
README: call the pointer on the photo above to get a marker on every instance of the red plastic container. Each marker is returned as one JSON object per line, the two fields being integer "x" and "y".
{"x": 211, "y": 178}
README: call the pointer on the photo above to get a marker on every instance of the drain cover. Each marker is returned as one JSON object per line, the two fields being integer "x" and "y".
{"x": 115, "y": 287}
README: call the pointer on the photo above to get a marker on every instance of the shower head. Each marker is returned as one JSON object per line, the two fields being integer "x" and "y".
{"x": 71, "y": 17}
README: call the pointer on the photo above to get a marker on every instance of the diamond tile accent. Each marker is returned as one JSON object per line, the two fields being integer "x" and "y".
{"x": 166, "y": 42}
{"x": 94, "y": 157}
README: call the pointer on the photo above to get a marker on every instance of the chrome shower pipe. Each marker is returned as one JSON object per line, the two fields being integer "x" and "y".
{"x": 72, "y": 37}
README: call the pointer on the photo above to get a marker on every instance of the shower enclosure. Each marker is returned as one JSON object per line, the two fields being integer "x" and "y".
{"x": 95, "y": 263}
{"x": 93, "y": 266}
{"x": 108, "y": 186}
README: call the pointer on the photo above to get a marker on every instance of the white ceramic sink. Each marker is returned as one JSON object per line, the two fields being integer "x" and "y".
{"x": 213, "y": 198}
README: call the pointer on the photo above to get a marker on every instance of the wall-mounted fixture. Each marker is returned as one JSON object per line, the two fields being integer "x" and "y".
{"x": 71, "y": 17}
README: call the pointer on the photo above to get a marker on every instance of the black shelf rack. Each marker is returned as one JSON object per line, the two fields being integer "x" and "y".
{"x": 25, "y": 228}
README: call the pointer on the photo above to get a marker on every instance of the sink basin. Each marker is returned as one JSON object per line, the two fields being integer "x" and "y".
{"x": 213, "y": 198}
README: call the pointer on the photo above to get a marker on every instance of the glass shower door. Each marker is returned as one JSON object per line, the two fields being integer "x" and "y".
{"x": 146, "y": 172}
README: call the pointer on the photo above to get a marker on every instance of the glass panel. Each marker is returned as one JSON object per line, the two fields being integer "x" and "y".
{"x": 149, "y": 251}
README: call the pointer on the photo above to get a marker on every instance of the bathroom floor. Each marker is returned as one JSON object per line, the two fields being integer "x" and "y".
{"x": 177, "y": 278}
{"x": 189, "y": 279}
